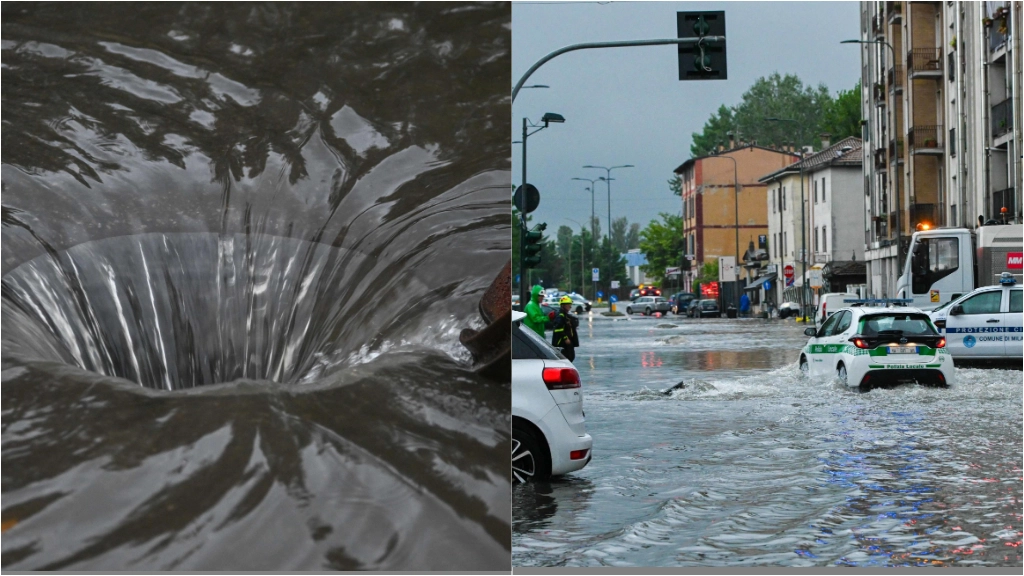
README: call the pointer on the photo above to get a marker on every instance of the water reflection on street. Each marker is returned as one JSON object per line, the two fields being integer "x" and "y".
{"x": 710, "y": 450}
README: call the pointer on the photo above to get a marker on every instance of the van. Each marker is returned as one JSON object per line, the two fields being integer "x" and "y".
{"x": 829, "y": 303}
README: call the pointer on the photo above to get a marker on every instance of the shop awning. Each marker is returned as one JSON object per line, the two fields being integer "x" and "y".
{"x": 756, "y": 284}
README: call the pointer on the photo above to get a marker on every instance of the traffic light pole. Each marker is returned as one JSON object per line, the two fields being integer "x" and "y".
{"x": 523, "y": 276}
{"x": 618, "y": 44}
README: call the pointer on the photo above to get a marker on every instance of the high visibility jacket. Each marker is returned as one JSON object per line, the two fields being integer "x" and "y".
{"x": 535, "y": 317}
{"x": 564, "y": 334}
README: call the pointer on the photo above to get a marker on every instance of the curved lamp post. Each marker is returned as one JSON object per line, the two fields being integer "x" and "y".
{"x": 608, "y": 180}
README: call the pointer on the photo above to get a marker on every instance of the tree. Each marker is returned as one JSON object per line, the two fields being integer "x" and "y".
{"x": 619, "y": 227}
{"x": 564, "y": 238}
{"x": 708, "y": 273}
{"x": 675, "y": 184}
{"x": 662, "y": 243}
{"x": 633, "y": 236}
{"x": 842, "y": 116}
{"x": 714, "y": 133}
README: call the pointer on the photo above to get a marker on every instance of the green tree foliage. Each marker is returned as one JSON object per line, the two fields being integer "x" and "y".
{"x": 676, "y": 183}
{"x": 662, "y": 243}
{"x": 619, "y": 228}
{"x": 564, "y": 238}
{"x": 633, "y": 236}
{"x": 708, "y": 273}
{"x": 808, "y": 112}
{"x": 842, "y": 116}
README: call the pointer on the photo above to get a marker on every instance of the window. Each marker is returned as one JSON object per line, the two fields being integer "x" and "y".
{"x": 932, "y": 260}
{"x": 815, "y": 183}
{"x": 952, "y": 142}
{"x": 783, "y": 198}
{"x": 783, "y": 244}
{"x": 1016, "y": 302}
{"x": 824, "y": 239}
{"x": 828, "y": 326}
{"x": 984, "y": 303}
{"x": 823, "y": 190}
{"x": 844, "y": 323}
{"x": 815, "y": 238}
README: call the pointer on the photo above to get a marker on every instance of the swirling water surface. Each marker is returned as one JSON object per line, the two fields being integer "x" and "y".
{"x": 239, "y": 244}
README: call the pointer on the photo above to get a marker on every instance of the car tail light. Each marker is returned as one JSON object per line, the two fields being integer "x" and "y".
{"x": 823, "y": 306}
{"x": 860, "y": 343}
{"x": 561, "y": 378}
{"x": 941, "y": 344}
{"x": 578, "y": 454}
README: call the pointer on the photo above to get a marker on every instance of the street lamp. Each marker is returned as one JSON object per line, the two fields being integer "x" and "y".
{"x": 608, "y": 180}
{"x": 593, "y": 228}
{"x": 803, "y": 229}
{"x": 736, "y": 210}
{"x": 896, "y": 172}
{"x": 548, "y": 118}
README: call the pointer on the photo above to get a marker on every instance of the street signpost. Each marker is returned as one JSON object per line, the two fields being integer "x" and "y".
{"x": 726, "y": 268}
{"x": 788, "y": 272}
{"x": 673, "y": 271}
{"x": 596, "y": 274}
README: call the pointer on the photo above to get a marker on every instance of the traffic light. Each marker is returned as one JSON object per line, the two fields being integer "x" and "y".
{"x": 703, "y": 60}
{"x": 532, "y": 247}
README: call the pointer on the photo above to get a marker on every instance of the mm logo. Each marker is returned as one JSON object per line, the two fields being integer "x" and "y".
{"x": 1015, "y": 260}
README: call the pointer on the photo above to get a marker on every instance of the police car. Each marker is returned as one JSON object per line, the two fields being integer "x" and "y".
{"x": 985, "y": 324}
{"x": 866, "y": 344}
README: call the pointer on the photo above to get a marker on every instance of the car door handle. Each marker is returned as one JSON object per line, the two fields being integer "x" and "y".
{"x": 991, "y": 320}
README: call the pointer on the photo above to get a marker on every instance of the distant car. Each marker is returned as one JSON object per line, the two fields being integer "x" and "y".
{"x": 549, "y": 433}
{"x": 705, "y": 309}
{"x": 682, "y": 302}
{"x": 985, "y": 324}
{"x": 829, "y": 303}
{"x": 579, "y": 303}
{"x": 515, "y": 303}
{"x": 634, "y": 294}
{"x": 789, "y": 309}
{"x": 865, "y": 346}
{"x": 648, "y": 290}
{"x": 648, "y": 305}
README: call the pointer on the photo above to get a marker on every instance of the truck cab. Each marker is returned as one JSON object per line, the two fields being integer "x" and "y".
{"x": 946, "y": 263}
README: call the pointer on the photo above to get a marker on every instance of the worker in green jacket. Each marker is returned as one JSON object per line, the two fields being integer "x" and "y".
{"x": 535, "y": 317}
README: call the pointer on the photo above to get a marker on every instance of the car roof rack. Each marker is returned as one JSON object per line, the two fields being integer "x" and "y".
{"x": 886, "y": 302}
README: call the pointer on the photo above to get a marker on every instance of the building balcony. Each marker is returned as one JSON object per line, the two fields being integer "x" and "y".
{"x": 1003, "y": 199}
{"x": 893, "y": 11}
{"x": 1002, "y": 118}
{"x": 880, "y": 227}
{"x": 879, "y": 94}
{"x": 923, "y": 214}
{"x": 924, "y": 63}
{"x": 895, "y": 79}
{"x": 925, "y": 139}
{"x": 880, "y": 159}
{"x": 999, "y": 31}
{"x": 878, "y": 25}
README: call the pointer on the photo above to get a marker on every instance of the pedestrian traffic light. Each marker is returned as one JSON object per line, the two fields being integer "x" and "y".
{"x": 532, "y": 247}
{"x": 704, "y": 60}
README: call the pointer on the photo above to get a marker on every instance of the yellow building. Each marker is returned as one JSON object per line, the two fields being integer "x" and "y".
{"x": 710, "y": 187}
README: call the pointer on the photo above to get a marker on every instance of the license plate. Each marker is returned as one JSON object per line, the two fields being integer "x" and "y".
{"x": 902, "y": 349}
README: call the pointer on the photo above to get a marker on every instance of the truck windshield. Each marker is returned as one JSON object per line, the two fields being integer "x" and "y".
{"x": 896, "y": 324}
{"x": 933, "y": 259}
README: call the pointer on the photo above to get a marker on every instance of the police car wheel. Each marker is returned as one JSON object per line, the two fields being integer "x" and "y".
{"x": 579, "y": 309}
{"x": 804, "y": 367}
{"x": 841, "y": 373}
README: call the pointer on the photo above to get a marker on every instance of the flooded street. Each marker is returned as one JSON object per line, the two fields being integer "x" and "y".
{"x": 239, "y": 244}
{"x": 750, "y": 464}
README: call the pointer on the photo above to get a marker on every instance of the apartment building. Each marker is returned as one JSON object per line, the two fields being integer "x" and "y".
{"x": 830, "y": 219}
{"x": 941, "y": 84}
{"x": 722, "y": 199}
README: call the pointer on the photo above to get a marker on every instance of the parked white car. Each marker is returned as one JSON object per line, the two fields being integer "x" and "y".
{"x": 829, "y": 303}
{"x": 985, "y": 324}
{"x": 866, "y": 346}
{"x": 549, "y": 434}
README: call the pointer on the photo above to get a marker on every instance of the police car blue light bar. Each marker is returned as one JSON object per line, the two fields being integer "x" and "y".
{"x": 878, "y": 301}
{"x": 1007, "y": 279}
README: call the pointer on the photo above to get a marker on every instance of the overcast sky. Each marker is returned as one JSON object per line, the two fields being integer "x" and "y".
{"x": 627, "y": 106}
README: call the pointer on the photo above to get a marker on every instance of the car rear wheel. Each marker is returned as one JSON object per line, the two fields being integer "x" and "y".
{"x": 647, "y": 312}
{"x": 841, "y": 372}
{"x": 529, "y": 461}
{"x": 579, "y": 309}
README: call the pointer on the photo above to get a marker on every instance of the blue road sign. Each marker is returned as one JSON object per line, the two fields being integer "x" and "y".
{"x": 767, "y": 285}
{"x": 600, "y": 294}
{"x": 517, "y": 277}
{"x": 614, "y": 298}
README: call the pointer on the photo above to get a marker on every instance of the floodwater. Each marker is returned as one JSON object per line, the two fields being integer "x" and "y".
{"x": 239, "y": 244}
{"x": 750, "y": 464}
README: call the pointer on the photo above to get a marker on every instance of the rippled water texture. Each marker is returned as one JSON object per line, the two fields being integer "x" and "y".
{"x": 750, "y": 464}
{"x": 239, "y": 244}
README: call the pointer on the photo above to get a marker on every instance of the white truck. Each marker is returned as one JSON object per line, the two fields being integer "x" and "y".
{"x": 946, "y": 263}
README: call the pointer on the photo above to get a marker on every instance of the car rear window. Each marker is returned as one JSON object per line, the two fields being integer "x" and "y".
{"x": 528, "y": 345}
{"x": 907, "y": 324}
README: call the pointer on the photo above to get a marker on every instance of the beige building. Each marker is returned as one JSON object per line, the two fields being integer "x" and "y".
{"x": 942, "y": 136}
{"x": 711, "y": 186}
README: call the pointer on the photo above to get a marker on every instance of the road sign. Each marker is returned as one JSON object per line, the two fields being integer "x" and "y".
{"x": 613, "y": 298}
{"x": 691, "y": 257}
{"x": 726, "y": 268}
{"x": 526, "y": 198}
{"x": 615, "y": 284}
{"x": 767, "y": 285}
{"x": 672, "y": 271}
{"x": 596, "y": 274}
{"x": 814, "y": 277}
{"x": 788, "y": 273}
{"x": 600, "y": 294}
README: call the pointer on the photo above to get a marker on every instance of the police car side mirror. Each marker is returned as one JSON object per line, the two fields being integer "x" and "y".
{"x": 956, "y": 310}
{"x": 810, "y": 332}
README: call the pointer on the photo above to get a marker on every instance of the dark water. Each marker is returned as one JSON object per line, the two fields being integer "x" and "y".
{"x": 239, "y": 243}
{"x": 751, "y": 464}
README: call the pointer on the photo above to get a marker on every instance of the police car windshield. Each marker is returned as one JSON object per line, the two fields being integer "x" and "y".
{"x": 905, "y": 324}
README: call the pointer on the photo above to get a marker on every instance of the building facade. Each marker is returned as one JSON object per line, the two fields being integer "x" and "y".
{"x": 830, "y": 220}
{"x": 711, "y": 187}
{"x": 941, "y": 101}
